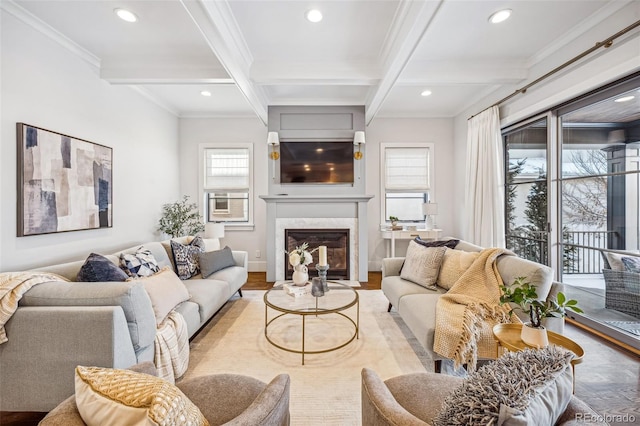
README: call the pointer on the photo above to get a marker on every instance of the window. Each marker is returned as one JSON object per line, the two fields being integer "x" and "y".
{"x": 228, "y": 184}
{"x": 406, "y": 180}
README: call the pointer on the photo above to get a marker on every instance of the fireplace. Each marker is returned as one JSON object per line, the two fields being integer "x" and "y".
{"x": 337, "y": 242}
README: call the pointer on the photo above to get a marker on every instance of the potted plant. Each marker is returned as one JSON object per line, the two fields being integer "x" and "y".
{"x": 394, "y": 220}
{"x": 180, "y": 218}
{"x": 523, "y": 295}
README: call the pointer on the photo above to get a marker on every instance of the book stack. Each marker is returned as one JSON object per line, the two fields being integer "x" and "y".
{"x": 295, "y": 291}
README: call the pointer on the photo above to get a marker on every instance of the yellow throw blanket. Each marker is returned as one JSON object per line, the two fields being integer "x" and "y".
{"x": 466, "y": 314}
{"x": 172, "y": 347}
{"x": 13, "y": 285}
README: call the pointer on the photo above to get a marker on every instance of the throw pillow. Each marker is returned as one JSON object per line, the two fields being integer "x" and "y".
{"x": 422, "y": 264}
{"x": 437, "y": 243}
{"x": 214, "y": 261}
{"x": 454, "y": 264}
{"x": 166, "y": 291}
{"x": 107, "y": 396}
{"x": 631, "y": 264}
{"x": 185, "y": 257}
{"x": 99, "y": 268}
{"x": 615, "y": 261}
{"x": 531, "y": 387}
{"x": 139, "y": 264}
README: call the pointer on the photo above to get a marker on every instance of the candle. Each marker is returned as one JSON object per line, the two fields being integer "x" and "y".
{"x": 322, "y": 256}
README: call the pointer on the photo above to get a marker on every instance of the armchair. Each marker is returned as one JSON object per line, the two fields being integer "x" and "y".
{"x": 228, "y": 399}
{"x": 622, "y": 287}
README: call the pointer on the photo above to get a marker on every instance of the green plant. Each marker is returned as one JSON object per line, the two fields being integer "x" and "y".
{"x": 393, "y": 219}
{"x": 523, "y": 294}
{"x": 180, "y": 218}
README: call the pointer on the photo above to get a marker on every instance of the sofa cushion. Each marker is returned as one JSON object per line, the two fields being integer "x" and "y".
{"x": 142, "y": 263}
{"x": 531, "y": 387}
{"x": 130, "y": 296}
{"x": 209, "y": 294}
{"x": 214, "y": 261}
{"x": 422, "y": 264}
{"x": 454, "y": 264}
{"x": 615, "y": 261}
{"x": 106, "y": 394}
{"x": 511, "y": 267}
{"x": 185, "y": 257}
{"x": 166, "y": 291}
{"x": 99, "y": 268}
{"x": 418, "y": 311}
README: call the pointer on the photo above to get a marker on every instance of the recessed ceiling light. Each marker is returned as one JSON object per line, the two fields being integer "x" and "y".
{"x": 314, "y": 15}
{"x": 126, "y": 15}
{"x": 500, "y": 16}
{"x": 205, "y": 93}
{"x": 426, "y": 93}
{"x": 625, "y": 99}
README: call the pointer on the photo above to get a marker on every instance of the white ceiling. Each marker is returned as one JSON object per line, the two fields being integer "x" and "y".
{"x": 377, "y": 53}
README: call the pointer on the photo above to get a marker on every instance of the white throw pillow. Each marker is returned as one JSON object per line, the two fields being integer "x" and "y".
{"x": 107, "y": 396}
{"x": 422, "y": 264}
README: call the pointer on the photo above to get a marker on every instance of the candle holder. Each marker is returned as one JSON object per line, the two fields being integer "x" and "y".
{"x": 316, "y": 287}
{"x": 322, "y": 273}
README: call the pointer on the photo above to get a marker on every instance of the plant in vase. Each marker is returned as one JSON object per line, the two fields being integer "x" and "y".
{"x": 523, "y": 294}
{"x": 180, "y": 218}
{"x": 394, "y": 220}
{"x": 299, "y": 258}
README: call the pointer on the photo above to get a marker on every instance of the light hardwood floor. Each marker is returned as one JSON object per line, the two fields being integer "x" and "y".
{"x": 608, "y": 379}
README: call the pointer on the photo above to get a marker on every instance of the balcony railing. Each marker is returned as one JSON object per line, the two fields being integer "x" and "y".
{"x": 581, "y": 249}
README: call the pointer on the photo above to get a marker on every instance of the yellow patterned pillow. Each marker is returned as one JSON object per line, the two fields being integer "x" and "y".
{"x": 107, "y": 396}
{"x": 455, "y": 263}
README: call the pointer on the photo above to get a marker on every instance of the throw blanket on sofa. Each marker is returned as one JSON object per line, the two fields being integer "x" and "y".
{"x": 466, "y": 314}
{"x": 172, "y": 347}
{"x": 13, "y": 285}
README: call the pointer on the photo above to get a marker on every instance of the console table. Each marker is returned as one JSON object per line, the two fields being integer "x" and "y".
{"x": 392, "y": 236}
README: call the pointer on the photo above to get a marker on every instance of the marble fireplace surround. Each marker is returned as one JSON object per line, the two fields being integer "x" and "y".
{"x": 317, "y": 212}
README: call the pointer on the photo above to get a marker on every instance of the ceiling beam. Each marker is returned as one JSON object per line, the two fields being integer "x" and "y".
{"x": 410, "y": 25}
{"x": 216, "y": 23}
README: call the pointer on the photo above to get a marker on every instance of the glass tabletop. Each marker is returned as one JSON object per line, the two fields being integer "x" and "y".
{"x": 338, "y": 298}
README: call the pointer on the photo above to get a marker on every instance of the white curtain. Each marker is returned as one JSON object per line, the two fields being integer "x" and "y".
{"x": 485, "y": 180}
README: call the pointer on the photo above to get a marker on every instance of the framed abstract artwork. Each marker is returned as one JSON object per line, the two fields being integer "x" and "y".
{"x": 64, "y": 183}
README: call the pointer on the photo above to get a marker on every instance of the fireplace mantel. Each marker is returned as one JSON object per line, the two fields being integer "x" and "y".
{"x": 332, "y": 208}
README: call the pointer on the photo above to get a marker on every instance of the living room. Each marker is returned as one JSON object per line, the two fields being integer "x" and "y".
{"x": 51, "y": 81}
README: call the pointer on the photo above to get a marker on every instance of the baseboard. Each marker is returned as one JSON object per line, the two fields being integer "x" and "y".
{"x": 257, "y": 266}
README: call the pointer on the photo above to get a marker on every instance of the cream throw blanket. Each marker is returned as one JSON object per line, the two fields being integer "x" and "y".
{"x": 466, "y": 314}
{"x": 13, "y": 285}
{"x": 172, "y": 347}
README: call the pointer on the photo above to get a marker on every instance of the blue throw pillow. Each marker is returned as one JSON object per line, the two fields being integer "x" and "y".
{"x": 631, "y": 264}
{"x": 214, "y": 261}
{"x": 186, "y": 257}
{"x": 99, "y": 268}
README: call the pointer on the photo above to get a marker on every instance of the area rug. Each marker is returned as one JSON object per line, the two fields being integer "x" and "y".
{"x": 632, "y": 327}
{"x": 326, "y": 390}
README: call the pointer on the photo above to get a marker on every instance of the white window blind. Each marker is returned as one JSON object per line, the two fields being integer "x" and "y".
{"x": 406, "y": 169}
{"x": 226, "y": 169}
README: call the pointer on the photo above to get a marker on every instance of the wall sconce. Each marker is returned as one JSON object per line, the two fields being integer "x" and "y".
{"x": 429, "y": 210}
{"x": 358, "y": 139}
{"x": 273, "y": 141}
{"x": 214, "y": 230}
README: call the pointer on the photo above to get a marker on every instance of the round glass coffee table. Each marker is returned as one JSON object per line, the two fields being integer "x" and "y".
{"x": 336, "y": 301}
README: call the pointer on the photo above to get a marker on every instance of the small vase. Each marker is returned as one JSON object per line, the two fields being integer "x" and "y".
{"x": 300, "y": 275}
{"x": 532, "y": 336}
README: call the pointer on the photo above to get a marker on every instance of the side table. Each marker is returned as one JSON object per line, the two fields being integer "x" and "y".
{"x": 508, "y": 337}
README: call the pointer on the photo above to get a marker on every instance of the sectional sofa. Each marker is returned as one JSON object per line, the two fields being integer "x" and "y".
{"x": 60, "y": 324}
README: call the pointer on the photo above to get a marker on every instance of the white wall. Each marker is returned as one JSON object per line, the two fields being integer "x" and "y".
{"x": 45, "y": 85}
{"x": 388, "y": 130}
{"x": 196, "y": 131}
{"x": 598, "y": 69}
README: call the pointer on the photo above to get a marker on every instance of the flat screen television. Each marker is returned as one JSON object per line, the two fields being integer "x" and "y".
{"x": 316, "y": 162}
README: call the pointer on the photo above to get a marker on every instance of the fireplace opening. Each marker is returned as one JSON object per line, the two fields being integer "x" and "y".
{"x": 337, "y": 242}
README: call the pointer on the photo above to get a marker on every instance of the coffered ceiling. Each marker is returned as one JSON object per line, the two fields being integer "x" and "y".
{"x": 254, "y": 53}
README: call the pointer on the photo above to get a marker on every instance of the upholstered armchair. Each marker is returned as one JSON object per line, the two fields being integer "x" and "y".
{"x": 223, "y": 399}
{"x": 415, "y": 400}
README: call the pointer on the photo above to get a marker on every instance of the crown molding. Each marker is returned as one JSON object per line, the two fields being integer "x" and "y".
{"x": 38, "y": 24}
{"x": 146, "y": 94}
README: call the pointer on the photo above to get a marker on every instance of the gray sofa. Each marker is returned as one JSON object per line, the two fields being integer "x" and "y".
{"x": 59, "y": 325}
{"x": 416, "y": 305}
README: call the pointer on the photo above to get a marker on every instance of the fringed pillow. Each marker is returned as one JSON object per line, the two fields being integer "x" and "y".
{"x": 531, "y": 387}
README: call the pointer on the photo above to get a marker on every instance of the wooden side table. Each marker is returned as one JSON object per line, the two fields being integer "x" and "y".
{"x": 508, "y": 337}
